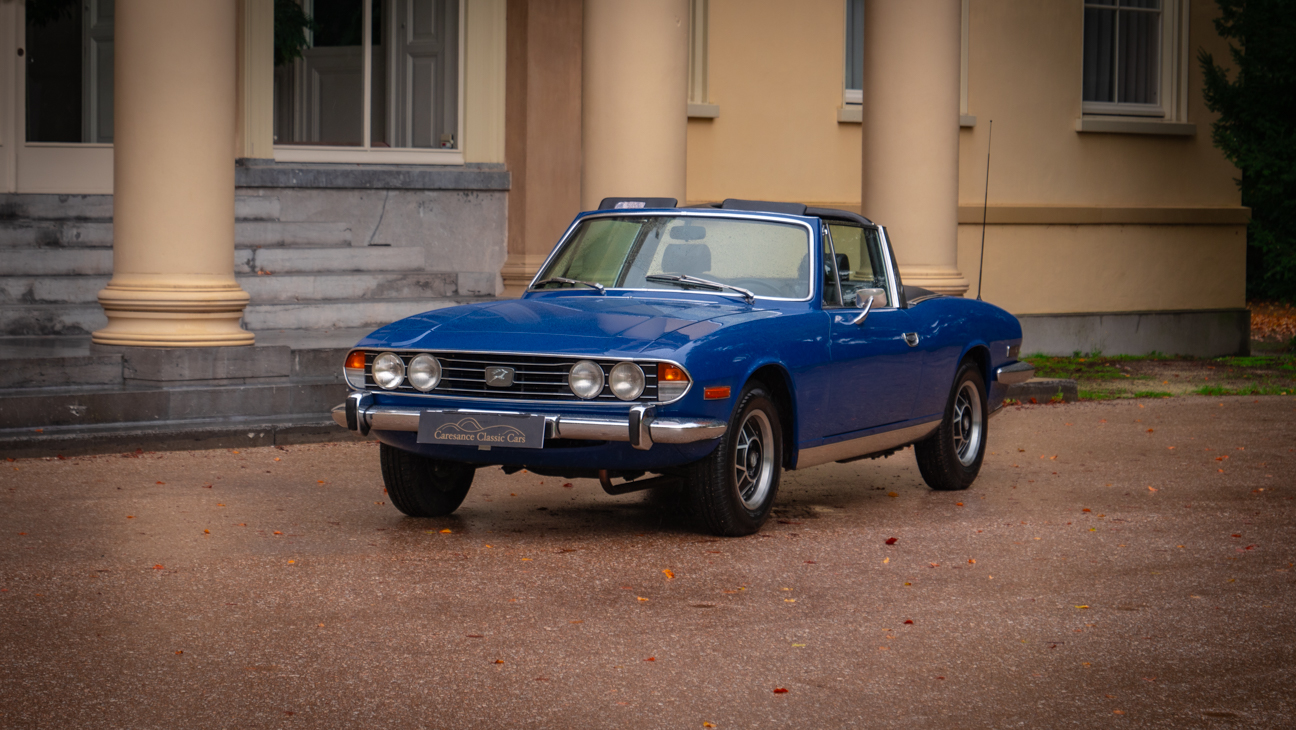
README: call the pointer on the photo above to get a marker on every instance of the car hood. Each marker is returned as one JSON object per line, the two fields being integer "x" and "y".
{"x": 562, "y": 324}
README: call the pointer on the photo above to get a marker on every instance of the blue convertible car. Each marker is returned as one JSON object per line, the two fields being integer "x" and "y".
{"x": 699, "y": 349}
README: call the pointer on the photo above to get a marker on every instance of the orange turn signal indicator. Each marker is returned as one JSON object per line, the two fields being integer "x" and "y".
{"x": 671, "y": 373}
{"x": 717, "y": 393}
{"x": 356, "y": 359}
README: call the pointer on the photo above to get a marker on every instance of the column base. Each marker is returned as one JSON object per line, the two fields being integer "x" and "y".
{"x": 940, "y": 279}
{"x": 152, "y": 314}
{"x": 518, "y": 272}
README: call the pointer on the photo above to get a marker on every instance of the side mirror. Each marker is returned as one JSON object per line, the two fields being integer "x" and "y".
{"x": 863, "y": 295}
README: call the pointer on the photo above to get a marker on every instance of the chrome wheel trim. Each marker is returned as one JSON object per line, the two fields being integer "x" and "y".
{"x": 967, "y": 426}
{"x": 753, "y": 462}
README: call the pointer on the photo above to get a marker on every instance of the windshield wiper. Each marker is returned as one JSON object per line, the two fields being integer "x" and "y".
{"x": 704, "y": 283}
{"x": 564, "y": 280}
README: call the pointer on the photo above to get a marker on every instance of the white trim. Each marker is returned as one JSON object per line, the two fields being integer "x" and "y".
{"x": 10, "y": 41}
{"x": 699, "y": 62}
{"x": 703, "y": 111}
{"x": 1132, "y": 125}
{"x": 963, "y": 67}
{"x": 372, "y": 155}
{"x": 852, "y": 114}
{"x": 967, "y": 120}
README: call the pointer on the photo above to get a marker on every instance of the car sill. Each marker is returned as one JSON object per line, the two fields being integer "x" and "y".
{"x": 863, "y": 445}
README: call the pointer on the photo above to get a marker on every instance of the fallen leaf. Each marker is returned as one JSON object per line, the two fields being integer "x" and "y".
{"x": 641, "y": 598}
{"x": 669, "y": 574}
{"x": 886, "y": 560}
{"x": 1152, "y": 489}
{"x": 568, "y": 485}
{"x": 160, "y": 482}
{"x": 158, "y": 567}
{"x": 1082, "y": 606}
{"x": 180, "y": 652}
{"x": 206, "y": 532}
{"x": 497, "y": 661}
{"x": 1086, "y": 509}
{"x": 892, "y": 494}
{"x": 789, "y": 600}
{"x": 445, "y": 531}
{"x": 892, "y": 540}
{"x": 707, "y": 724}
{"x": 958, "y": 504}
{"x": 290, "y": 562}
{"x": 972, "y": 561}
{"x": 475, "y": 636}
{"x": 909, "y": 621}
{"x": 780, "y": 691}
{"x": 651, "y": 659}
{"x": 277, "y": 532}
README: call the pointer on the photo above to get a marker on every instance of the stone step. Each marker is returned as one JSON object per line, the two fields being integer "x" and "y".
{"x": 99, "y": 207}
{"x": 53, "y": 372}
{"x": 33, "y": 320}
{"x": 92, "y": 262}
{"x": 37, "y": 320}
{"x": 309, "y": 287}
{"x": 322, "y": 287}
{"x": 39, "y": 408}
{"x": 51, "y": 289}
{"x": 313, "y": 260}
{"x": 338, "y": 314}
{"x": 30, "y": 233}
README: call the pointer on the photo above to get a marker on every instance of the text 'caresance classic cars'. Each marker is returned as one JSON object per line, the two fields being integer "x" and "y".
{"x": 701, "y": 350}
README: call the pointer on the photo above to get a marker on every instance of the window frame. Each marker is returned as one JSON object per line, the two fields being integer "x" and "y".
{"x": 364, "y": 153}
{"x": 1172, "y": 76}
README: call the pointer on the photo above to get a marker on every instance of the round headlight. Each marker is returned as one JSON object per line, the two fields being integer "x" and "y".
{"x": 626, "y": 380}
{"x": 424, "y": 372}
{"x": 586, "y": 379}
{"x": 388, "y": 370}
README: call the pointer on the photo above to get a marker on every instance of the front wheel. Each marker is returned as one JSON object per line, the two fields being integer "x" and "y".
{"x": 950, "y": 459}
{"x": 733, "y": 489}
{"x": 423, "y": 487}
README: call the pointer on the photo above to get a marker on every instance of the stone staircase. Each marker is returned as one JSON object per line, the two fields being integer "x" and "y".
{"x": 57, "y": 254}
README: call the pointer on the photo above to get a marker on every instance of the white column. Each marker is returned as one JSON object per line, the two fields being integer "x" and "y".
{"x": 173, "y": 177}
{"x": 635, "y": 99}
{"x": 911, "y": 135}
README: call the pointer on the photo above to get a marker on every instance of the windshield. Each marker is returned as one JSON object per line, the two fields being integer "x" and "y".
{"x": 770, "y": 259}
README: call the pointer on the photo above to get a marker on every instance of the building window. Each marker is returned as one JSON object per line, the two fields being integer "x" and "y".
{"x": 377, "y": 81}
{"x": 854, "y": 52}
{"x": 1132, "y": 56}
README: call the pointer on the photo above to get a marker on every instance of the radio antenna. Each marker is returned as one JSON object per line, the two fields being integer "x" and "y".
{"x": 985, "y": 206}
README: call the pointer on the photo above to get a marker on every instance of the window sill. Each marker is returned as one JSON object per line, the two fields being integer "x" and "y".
{"x": 703, "y": 111}
{"x": 854, "y": 114}
{"x": 1135, "y": 126}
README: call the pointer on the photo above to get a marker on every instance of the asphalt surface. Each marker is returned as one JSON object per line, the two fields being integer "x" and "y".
{"x": 1124, "y": 563}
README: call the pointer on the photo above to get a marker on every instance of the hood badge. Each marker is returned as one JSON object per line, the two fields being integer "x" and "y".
{"x": 499, "y": 377}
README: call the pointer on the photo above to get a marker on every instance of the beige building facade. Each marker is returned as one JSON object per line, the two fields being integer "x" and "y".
{"x": 420, "y": 153}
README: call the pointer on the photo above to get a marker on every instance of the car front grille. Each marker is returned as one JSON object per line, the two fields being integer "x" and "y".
{"x": 536, "y": 377}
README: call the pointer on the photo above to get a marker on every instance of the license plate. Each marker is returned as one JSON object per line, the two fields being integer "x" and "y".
{"x": 504, "y": 430}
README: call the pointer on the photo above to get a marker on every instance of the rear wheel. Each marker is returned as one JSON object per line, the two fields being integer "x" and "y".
{"x": 423, "y": 487}
{"x": 950, "y": 459}
{"x": 733, "y": 489}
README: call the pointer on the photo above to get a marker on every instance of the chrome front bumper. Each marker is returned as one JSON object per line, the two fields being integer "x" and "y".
{"x": 1018, "y": 372}
{"x": 642, "y": 428}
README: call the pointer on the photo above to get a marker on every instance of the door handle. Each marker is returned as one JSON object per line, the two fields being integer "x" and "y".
{"x": 858, "y": 319}
{"x": 911, "y": 339}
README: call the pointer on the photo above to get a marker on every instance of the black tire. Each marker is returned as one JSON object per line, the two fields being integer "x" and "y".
{"x": 423, "y": 487}
{"x": 731, "y": 498}
{"x": 950, "y": 459}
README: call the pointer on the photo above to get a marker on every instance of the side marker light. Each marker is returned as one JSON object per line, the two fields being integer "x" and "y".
{"x": 719, "y": 393}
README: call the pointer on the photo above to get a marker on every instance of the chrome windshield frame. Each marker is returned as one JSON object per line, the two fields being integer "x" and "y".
{"x": 680, "y": 213}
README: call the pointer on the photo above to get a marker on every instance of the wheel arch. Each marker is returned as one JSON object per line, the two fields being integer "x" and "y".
{"x": 778, "y": 382}
{"x": 978, "y": 353}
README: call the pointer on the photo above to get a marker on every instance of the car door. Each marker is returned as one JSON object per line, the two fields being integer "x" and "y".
{"x": 875, "y": 371}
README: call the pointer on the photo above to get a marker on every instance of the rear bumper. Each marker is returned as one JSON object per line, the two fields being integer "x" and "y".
{"x": 641, "y": 428}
